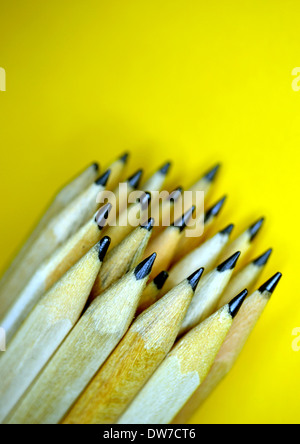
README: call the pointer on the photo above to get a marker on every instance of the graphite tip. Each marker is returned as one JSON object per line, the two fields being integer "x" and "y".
{"x": 211, "y": 174}
{"x": 263, "y": 259}
{"x": 160, "y": 279}
{"x": 165, "y": 168}
{"x": 124, "y": 157}
{"x": 230, "y": 263}
{"x": 254, "y": 229}
{"x": 194, "y": 278}
{"x": 103, "y": 247}
{"x": 102, "y": 180}
{"x": 214, "y": 210}
{"x": 102, "y": 215}
{"x": 182, "y": 222}
{"x": 271, "y": 284}
{"x": 96, "y": 166}
{"x": 228, "y": 230}
{"x": 174, "y": 195}
{"x": 143, "y": 269}
{"x": 134, "y": 180}
{"x": 236, "y": 303}
{"x": 149, "y": 224}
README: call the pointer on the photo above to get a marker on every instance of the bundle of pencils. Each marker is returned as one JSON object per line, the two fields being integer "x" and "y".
{"x": 121, "y": 322}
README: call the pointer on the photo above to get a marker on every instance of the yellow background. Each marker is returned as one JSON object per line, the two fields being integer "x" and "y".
{"x": 194, "y": 81}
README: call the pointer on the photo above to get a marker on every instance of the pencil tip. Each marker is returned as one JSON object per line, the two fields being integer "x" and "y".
{"x": 160, "y": 279}
{"x": 194, "y": 278}
{"x": 211, "y": 174}
{"x": 182, "y": 221}
{"x": 96, "y": 166}
{"x": 149, "y": 224}
{"x": 165, "y": 168}
{"x": 144, "y": 199}
{"x": 144, "y": 268}
{"x": 214, "y": 210}
{"x": 103, "y": 247}
{"x": 230, "y": 263}
{"x": 271, "y": 284}
{"x": 236, "y": 303}
{"x": 102, "y": 180}
{"x": 254, "y": 229}
{"x": 124, "y": 157}
{"x": 228, "y": 230}
{"x": 263, "y": 259}
{"x": 102, "y": 215}
{"x": 134, "y": 180}
{"x": 174, "y": 195}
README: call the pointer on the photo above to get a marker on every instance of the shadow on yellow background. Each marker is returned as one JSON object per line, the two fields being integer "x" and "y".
{"x": 191, "y": 81}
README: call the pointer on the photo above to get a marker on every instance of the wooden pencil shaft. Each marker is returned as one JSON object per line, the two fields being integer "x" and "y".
{"x": 44, "y": 330}
{"x": 145, "y": 345}
{"x": 179, "y": 375}
{"x": 239, "y": 332}
{"x": 82, "y": 353}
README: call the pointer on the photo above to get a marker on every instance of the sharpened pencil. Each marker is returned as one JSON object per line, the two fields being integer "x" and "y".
{"x": 84, "y": 351}
{"x": 137, "y": 211}
{"x": 152, "y": 292}
{"x": 246, "y": 277}
{"x": 167, "y": 242}
{"x": 244, "y": 241}
{"x": 237, "y": 337}
{"x": 118, "y": 170}
{"x": 157, "y": 180}
{"x": 52, "y": 270}
{"x": 122, "y": 258}
{"x": 60, "y": 228}
{"x": 183, "y": 370}
{"x": 204, "y": 184}
{"x": 46, "y": 327}
{"x": 208, "y": 293}
{"x": 205, "y": 256}
{"x": 146, "y": 344}
{"x": 167, "y": 212}
{"x": 200, "y": 229}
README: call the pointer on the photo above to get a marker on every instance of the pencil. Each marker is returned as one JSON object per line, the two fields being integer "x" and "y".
{"x": 117, "y": 168}
{"x": 122, "y": 258}
{"x": 84, "y": 351}
{"x": 205, "y": 256}
{"x": 71, "y": 190}
{"x": 244, "y": 241}
{"x": 200, "y": 229}
{"x": 52, "y": 270}
{"x": 167, "y": 212}
{"x": 46, "y": 327}
{"x": 137, "y": 211}
{"x": 167, "y": 242}
{"x": 246, "y": 277}
{"x": 238, "y": 335}
{"x": 120, "y": 195}
{"x": 208, "y": 293}
{"x": 146, "y": 344}
{"x": 152, "y": 292}
{"x": 183, "y": 370}
{"x": 157, "y": 180}
{"x": 204, "y": 184}
{"x": 60, "y": 228}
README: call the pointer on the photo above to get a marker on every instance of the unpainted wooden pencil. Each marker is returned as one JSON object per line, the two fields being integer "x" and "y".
{"x": 206, "y": 256}
{"x": 208, "y": 293}
{"x": 183, "y": 370}
{"x": 122, "y": 258}
{"x": 237, "y": 337}
{"x": 46, "y": 327}
{"x": 146, "y": 344}
{"x": 52, "y": 270}
{"x": 246, "y": 277}
{"x": 152, "y": 292}
{"x": 59, "y": 229}
{"x": 84, "y": 351}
